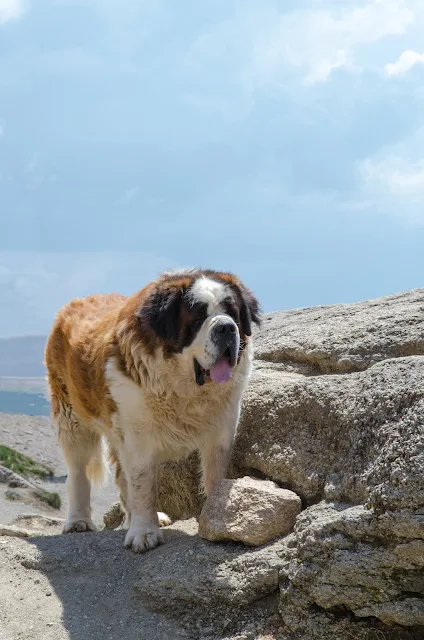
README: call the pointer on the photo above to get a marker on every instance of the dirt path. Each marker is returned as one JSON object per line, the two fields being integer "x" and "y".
{"x": 74, "y": 587}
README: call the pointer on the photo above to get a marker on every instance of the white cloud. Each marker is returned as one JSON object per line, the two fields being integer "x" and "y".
{"x": 11, "y": 10}
{"x": 399, "y": 175}
{"x": 320, "y": 41}
{"x": 395, "y": 185}
{"x": 278, "y": 48}
{"x": 404, "y": 63}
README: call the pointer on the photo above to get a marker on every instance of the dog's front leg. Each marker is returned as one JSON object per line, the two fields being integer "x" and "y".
{"x": 215, "y": 459}
{"x": 215, "y": 451}
{"x": 140, "y": 470}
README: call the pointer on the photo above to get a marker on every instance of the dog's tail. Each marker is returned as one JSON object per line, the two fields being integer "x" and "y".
{"x": 98, "y": 468}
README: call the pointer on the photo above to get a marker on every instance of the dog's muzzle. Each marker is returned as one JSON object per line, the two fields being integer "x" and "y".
{"x": 226, "y": 341}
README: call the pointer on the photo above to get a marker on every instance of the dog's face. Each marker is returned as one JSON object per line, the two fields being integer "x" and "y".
{"x": 203, "y": 317}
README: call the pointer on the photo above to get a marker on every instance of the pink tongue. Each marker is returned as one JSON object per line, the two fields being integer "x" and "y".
{"x": 221, "y": 371}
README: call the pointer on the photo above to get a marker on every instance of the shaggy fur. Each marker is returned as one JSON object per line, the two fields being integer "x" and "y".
{"x": 121, "y": 370}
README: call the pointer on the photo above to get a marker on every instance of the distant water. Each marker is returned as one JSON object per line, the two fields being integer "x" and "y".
{"x": 30, "y": 404}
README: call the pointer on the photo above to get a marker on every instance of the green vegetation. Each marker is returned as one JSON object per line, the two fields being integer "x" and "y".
{"x": 51, "y": 497}
{"x": 22, "y": 464}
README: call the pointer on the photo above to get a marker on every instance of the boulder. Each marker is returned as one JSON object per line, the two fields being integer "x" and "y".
{"x": 248, "y": 510}
{"x": 347, "y": 570}
{"x": 343, "y": 338}
{"x": 355, "y": 438}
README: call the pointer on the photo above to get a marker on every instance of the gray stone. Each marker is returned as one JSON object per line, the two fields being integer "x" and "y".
{"x": 14, "y": 531}
{"x": 343, "y": 338}
{"x": 14, "y": 494}
{"x": 191, "y": 571}
{"x": 248, "y": 510}
{"x": 344, "y": 558}
{"x": 12, "y": 479}
{"x": 39, "y": 523}
{"x": 179, "y": 493}
{"x": 356, "y": 437}
{"x": 114, "y": 517}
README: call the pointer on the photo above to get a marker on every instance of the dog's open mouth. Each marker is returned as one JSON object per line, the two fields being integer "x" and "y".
{"x": 221, "y": 371}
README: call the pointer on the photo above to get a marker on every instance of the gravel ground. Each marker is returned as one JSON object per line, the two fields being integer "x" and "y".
{"x": 47, "y": 593}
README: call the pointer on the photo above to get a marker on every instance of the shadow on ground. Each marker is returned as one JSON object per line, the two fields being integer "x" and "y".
{"x": 93, "y": 577}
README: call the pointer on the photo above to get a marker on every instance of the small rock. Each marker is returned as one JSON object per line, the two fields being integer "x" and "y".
{"x": 13, "y": 479}
{"x": 16, "y": 532}
{"x": 248, "y": 510}
{"x": 114, "y": 516}
{"x": 39, "y": 522}
{"x": 13, "y": 494}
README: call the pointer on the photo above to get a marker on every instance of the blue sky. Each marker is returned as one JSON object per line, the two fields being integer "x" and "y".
{"x": 283, "y": 140}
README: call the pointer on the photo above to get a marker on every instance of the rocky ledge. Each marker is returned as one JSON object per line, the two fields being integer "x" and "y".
{"x": 335, "y": 413}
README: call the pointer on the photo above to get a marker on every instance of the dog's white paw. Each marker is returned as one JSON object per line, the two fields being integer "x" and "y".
{"x": 164, "y": 520}
{"x": 141, "y": 540}
{"x": 79, "y": 526}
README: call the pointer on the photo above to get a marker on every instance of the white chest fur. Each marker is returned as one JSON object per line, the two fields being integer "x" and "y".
{"x": 174, "y": 424}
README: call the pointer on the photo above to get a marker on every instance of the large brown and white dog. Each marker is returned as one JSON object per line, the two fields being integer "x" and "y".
{"x": 157, "y": 375}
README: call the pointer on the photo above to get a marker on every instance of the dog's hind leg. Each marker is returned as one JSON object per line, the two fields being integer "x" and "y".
{"x": 82, "y": 448}
{"x": 121, "y": 483}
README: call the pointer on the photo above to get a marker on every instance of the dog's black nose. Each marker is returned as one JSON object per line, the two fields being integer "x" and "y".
{"x": 226, "y": 328}
{"x": 225, "y": 337}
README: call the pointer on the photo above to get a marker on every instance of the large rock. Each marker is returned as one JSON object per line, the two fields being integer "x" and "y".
{"x": 335, "y": 412}
{"x": 352, "y": 438}
{"x": 343, "y": 560}
{"x": 248, "y": 510}
{"x": 345, "y": 337}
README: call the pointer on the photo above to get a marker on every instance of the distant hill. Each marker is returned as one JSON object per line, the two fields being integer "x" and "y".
{"x": 22, "y": 356}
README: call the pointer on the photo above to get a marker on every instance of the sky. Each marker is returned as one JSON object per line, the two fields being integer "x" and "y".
{"x": 282, "y": 140}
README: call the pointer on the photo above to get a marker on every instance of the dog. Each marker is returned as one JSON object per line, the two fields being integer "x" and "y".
{"x": 152, "y": 377}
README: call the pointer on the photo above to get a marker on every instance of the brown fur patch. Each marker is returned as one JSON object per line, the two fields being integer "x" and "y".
{"x": 89, "y": 331}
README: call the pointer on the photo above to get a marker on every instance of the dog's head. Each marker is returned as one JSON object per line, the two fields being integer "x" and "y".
{"x": 204, "y": 315}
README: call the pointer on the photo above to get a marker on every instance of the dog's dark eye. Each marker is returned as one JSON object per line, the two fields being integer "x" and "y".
{"x": 198, "y": 323}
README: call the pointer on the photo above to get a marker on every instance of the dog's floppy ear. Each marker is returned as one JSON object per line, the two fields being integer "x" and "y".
{"x": 249, "y": 310}
{"x": 161, "y": 312}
